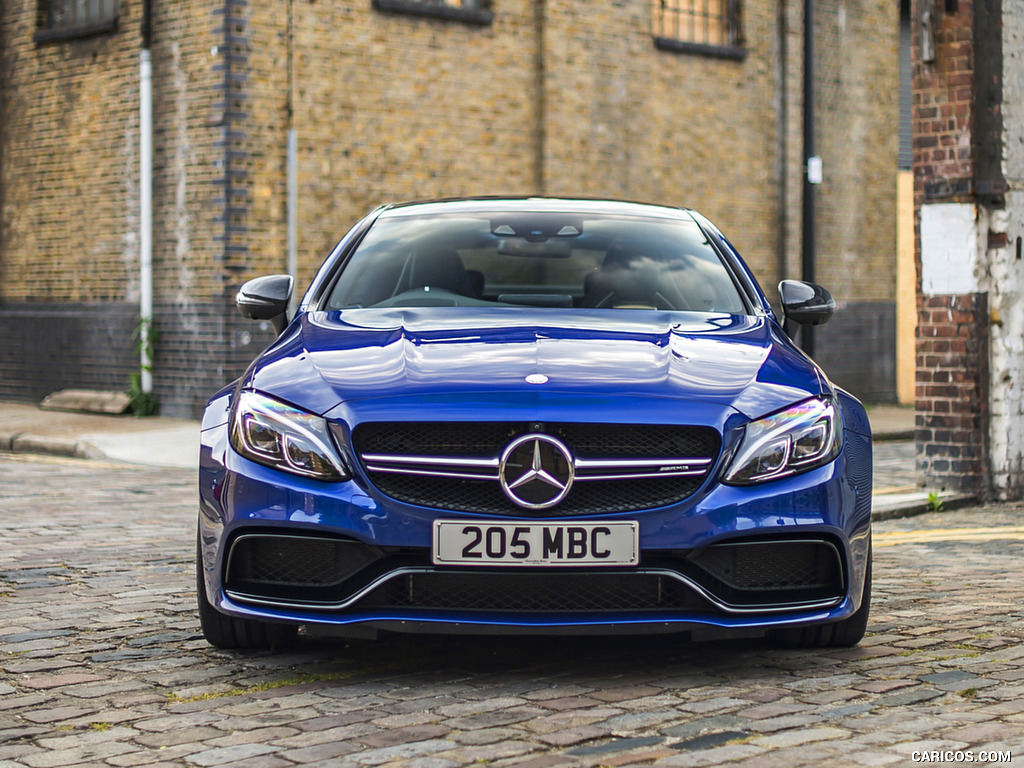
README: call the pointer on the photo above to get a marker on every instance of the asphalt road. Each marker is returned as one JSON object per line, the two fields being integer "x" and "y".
{"x": 102, "y": 663}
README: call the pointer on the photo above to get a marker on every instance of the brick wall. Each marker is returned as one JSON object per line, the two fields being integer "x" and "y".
{"x": 952, "y": 386}
{"x": 943, "y": 103}
{"x": 69, "y": 228}
{"x": 78, "y": 345}
{"x": 964, "y": 280}
{"x": 857, "y": 90}
{"x": 857, "y": 348}
{"x": 390, "y": 106}
{"x": 626, "y": 119}
{"x": 399, "y": 107}
{"x": 856, "y": 134}
{"x": 69, "y": 173}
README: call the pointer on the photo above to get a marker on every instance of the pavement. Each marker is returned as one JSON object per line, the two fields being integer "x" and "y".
{"x": 103, "y": 664}
{"x": 165, "y": 442}
{"x": 153, "y": 441}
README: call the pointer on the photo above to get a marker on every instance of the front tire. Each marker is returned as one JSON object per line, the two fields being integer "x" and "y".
{"x": 228, "y": 632}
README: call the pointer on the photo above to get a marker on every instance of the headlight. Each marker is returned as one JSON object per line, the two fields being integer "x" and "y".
{"x": 800, "y": 438}
{"x": 280, "y": 436}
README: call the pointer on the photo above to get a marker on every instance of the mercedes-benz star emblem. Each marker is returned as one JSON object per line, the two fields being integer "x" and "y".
{"x": 536, "y": 471}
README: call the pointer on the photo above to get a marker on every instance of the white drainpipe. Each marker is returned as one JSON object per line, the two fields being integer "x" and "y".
{"x": 146, "y": 218}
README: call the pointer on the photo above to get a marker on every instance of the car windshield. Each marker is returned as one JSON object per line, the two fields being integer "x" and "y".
{"x": 536, "y": 259}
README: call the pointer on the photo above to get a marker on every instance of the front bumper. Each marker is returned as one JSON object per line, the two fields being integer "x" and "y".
{"x": 276, "y": 547}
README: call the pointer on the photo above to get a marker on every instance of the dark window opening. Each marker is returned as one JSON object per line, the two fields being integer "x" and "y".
{"x": 61, "y": 19}
{"x": 468, "y": 11}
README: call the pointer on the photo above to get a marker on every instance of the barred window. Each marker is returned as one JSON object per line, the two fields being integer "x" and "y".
{"x": 71, "y": 18}
{"x": 691, "y": 24}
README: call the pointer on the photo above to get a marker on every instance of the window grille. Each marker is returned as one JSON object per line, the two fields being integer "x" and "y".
{"x": 697, "y": 22}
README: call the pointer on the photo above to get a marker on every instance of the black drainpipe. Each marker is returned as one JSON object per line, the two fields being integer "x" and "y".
{"x": 147, "y": 24}
{"x": 808, "y": 249}
{"x": 540, "y": 103}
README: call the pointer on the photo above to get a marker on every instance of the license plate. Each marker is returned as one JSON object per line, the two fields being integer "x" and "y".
{"x": 487, "y": 542}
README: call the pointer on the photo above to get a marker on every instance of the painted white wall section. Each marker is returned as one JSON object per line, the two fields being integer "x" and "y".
{"x": 1012, "y": 107}
{"x": 949, "y": 249}
{"x": 1004, "y": 280}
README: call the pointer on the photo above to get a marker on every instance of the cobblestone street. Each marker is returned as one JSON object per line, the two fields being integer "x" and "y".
{"x": 102, "y": 662}
{"x": 894, "y": 466}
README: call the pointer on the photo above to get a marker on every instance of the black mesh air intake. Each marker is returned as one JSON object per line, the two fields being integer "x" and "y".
{"x": 299, "y": 567}
{"x": 770, "y": 572}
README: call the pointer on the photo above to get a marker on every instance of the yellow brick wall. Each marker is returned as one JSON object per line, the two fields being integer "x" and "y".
{"x": 392, "y": 107}
{"x": 629, "y": 120}
{"x": 70, "y": 156}
{"x": 857, "y": 137}
{"x": 68, "y": 163}
{"x": 560, "y": 97}
{"x": 386, "y": 108}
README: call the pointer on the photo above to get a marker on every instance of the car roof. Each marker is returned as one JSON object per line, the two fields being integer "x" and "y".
{"x": 575, "y": 205}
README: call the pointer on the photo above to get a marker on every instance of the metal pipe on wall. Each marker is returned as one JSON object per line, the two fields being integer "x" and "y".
{"x": 146, "y": 219}
{"x": 811, "y": 162}
{"x": 540, "y": 136}
{"x": 293, "y": 216}
{"x": 292, "y": 266}
{"x": 782, "y": 243}
{"x": 146, "y": 202}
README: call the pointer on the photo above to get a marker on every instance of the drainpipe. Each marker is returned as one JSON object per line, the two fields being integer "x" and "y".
{"x": 812, "y": 169}
{"x": 146, "y": 201}
{"x": 782, "y": 143}
{"x": 293, "y": 168}
{"x": 293, "y": 218}
{"x": 540, "y": 86}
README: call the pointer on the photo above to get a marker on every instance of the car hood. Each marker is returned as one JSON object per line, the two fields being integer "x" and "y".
{"x": 368, "y": 357}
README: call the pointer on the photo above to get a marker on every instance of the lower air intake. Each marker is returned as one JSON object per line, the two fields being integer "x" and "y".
{"x": 755, "y": 573}
{"x": 274, "y": 565}
{"x": 542, "y": 593}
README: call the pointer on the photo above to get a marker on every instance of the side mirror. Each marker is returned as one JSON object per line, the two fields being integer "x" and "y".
{"x": 806, "y": 303}
{"x": 266, "y": 298}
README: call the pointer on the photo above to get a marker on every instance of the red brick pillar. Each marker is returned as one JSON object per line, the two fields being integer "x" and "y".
{"x": 952, "y": 386}
{"x": 961, "y": 233}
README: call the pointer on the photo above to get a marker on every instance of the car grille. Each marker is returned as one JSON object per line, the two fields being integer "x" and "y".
{"x": 455, "y": 466}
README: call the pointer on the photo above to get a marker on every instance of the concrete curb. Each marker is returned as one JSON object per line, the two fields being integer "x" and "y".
{"x": 892, "y": 506}
{"x": 893, "y": 436}
{"x": 49, "y": 446}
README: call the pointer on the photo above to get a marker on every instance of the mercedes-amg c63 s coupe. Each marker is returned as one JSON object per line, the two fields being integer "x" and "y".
{"x": 534, "y": 415}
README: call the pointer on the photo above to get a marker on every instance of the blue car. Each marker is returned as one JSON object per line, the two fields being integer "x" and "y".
{"x": 534, "y": 416}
